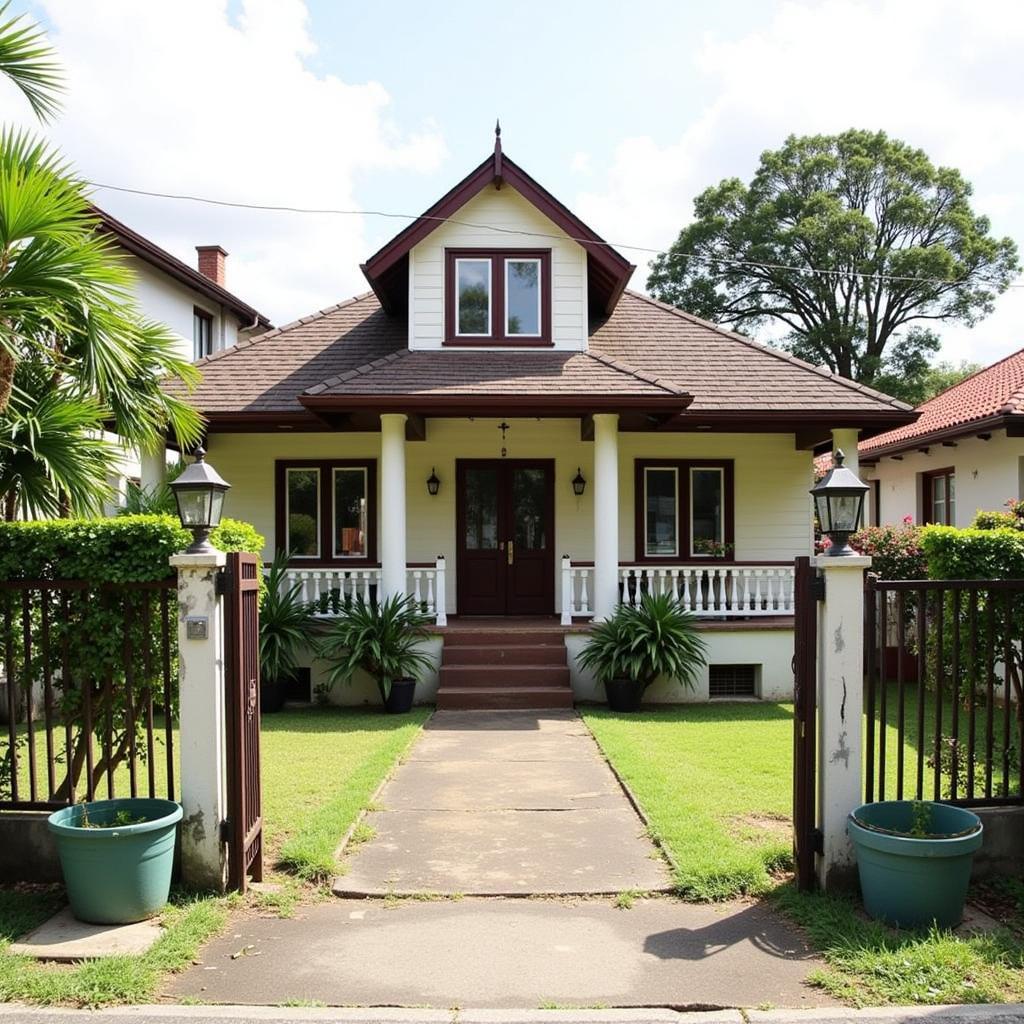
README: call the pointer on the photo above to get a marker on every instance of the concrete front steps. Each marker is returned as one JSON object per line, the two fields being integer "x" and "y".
{"x": 484, "y": 669}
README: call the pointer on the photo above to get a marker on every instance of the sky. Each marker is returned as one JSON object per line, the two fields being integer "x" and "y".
{"x": 625, "y": 112}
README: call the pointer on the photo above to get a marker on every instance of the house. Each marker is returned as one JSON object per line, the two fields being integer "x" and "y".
{"x": 964, "y": 453}
{"x": 500, "y": 428}
{"x": 194, "y": 304}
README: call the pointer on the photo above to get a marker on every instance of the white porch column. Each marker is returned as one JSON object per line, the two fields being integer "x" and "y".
{"x": 846, "y": 438}
{"x": 201, "y": 719}
{"x": 152, "y": 468}
{"x": 840, "y": 709}
{"x": 392, "y": 503}
{"x": 606, "y": 514}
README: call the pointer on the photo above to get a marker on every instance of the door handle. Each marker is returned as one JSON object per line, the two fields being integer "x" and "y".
{"x": 511, "y": 556}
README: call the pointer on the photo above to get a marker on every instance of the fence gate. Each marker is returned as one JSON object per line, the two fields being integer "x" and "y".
{"x": 242, "y": 679}
{"x": 805, "y": 705}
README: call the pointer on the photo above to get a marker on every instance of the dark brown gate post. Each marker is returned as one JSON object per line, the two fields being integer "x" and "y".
{"x": 242, "y": 679}
{"x": 805, "y": 707}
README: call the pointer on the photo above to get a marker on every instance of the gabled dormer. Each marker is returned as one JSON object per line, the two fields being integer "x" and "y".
{"x": 498, "y": 262}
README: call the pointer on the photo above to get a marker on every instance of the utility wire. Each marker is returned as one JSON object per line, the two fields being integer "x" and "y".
{"x": 328, "y": 211}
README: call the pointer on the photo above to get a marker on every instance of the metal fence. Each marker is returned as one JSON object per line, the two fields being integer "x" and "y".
{"x": 88, "y": 695}
{"x": 943, "y": 667}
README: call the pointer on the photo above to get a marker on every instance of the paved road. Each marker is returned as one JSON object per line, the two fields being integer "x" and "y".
{"x": 504, "y": 803}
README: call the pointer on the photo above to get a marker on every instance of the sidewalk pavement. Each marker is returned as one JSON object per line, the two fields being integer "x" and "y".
{"x": 1009, "y": 1014}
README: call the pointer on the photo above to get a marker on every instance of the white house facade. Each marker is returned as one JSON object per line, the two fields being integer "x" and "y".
{"x": 500, "y": 429}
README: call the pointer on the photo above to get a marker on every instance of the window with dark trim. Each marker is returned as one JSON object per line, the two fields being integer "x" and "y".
{"x": 876, "y": 502}
{"x": 497, "y": 296}
{"x": 202, "y": 333}
{"x": 326, "y": 511}
{"x": 939, "y": 497}
{"x": 684, "y": 510}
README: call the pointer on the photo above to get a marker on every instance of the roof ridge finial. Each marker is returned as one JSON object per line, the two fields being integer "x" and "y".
{"x": 497, "y": 154}
{"x": 497, "y": 128}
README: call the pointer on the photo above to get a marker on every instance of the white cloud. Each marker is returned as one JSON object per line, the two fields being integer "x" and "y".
{"x": 940, "y": 75}
{"x": 174, "y": 96}
{"x": 581, "y": 163}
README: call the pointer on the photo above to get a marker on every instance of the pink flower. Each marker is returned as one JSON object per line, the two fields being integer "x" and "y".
{"x": 908, "y": 520}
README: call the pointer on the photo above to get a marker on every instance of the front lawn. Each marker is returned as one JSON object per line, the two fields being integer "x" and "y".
{"x": 715, "y": 783}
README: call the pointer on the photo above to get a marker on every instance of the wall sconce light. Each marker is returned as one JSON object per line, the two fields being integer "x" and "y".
{"x": 579, "y": 483}
{"x": 433, "y": 484}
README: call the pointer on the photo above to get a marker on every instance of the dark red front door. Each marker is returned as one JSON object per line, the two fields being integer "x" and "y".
{"x": 505, "y": 524}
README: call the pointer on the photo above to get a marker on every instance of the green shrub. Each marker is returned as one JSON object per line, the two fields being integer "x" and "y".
{"x": 1010, "y": 519}
{"x": 895, "y": 551}
{"x": 973, "y": 554}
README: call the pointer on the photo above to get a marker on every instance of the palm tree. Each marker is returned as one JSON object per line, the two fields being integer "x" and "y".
{"x": 69, "y": 325}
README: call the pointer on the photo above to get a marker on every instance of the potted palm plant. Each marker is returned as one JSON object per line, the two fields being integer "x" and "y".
{"x": 638, "y": 644}
{"x": 382, "y": 638}
{"x": 284, "y": 628}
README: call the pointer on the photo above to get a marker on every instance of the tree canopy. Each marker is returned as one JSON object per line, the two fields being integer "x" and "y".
{"x": 852, "y": 244}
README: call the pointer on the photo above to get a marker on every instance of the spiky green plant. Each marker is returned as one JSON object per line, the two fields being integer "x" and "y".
{"x": 643, "y": 642}
{"x": 382, "y": 638}
{"x": 27, "y": 59}
{"x": 285, "y": 623}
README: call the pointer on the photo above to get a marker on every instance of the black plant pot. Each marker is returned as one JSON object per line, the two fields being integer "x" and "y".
{"x": 624, "y": 694}
{"x": 272, "y": 694}
{"x": 400, "y": 698}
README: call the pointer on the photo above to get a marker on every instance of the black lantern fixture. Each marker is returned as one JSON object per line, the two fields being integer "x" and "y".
{"x": 839, "y": 502}
{"x": 579, "y": 483}
{"x": 433, "y": 484}
{"x": 199, "y": 493}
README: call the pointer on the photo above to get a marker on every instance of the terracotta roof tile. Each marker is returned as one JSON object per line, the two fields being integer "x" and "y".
{"x": 998, "y": 390}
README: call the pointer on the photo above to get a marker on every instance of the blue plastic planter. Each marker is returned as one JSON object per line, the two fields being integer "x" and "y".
{"x": 908, "y": 881}
{"x": 117, "y": 874}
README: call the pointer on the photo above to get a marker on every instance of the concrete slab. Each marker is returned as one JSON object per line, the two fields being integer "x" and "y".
{"x": 66, "y": 939}
{"x": 523, "y": 953}
{"x": 504, "y": 853}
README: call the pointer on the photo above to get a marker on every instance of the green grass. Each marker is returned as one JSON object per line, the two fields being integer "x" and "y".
{"x": 188, "y": 923}
{"x": 714, "y": 781}
{"x": 321, "y": 766}
{"x": 868, "y": 964}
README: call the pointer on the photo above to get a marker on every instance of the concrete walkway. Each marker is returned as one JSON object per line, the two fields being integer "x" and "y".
{"x": 509, "y": 953}
{"x": 504, "y": 803}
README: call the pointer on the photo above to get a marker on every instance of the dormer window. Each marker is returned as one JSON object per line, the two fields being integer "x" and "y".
{"x": 498, "y": 297}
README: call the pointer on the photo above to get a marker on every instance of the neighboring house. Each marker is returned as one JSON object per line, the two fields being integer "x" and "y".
{"x": 964, "y": 453}
{"x": 193, "y": 303}
{"x": 500, "y": 399}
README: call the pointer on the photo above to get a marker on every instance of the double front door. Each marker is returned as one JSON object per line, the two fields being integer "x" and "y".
{"x": 505, "y": 524}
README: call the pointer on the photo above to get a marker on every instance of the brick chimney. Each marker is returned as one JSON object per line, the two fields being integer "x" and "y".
{"x": 212, "y": 262}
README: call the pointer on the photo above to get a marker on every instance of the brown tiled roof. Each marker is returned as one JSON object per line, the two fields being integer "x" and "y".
{"x": 721, "y": 369}
{"x": 643, "y": 350}
{"x": 988, "y": 395}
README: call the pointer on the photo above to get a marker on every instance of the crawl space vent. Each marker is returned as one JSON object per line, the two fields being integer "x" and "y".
{"x": 732, "y": 680}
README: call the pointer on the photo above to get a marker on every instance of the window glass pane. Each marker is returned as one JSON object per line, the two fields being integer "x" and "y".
{"x": 522, "y": 297}
{"x": 938, "y": 499}
{"x": 303, "y": 512}
{"x": 706, "y": 507}
{"x": 481, "y": 509}
{"x": 202, "y": 335}
{"x": 528, "y": 504}
{"x": 661, "y": 506}
{"x": 951, "y": 500}
{"x": 350, "y": 513}
{"x": 474, "y": 296}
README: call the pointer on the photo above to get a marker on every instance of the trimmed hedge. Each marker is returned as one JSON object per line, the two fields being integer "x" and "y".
{"x": 973, "y": 554}
{"x": 119, "y": 550}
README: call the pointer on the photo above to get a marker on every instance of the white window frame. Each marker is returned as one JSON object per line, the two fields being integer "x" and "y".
{"x": 490, "y": 296}
{"x": 205, "y": 318}
{"x": 334, "y": 511}
{"x": 720, "y": 470}
{"x": 288, "y": 509}
{"x": 538, "y": 263}
{"x": 674, "y": 470}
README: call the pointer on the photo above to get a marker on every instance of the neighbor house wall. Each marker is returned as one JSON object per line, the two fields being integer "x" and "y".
{"x": 772, "y": 478}
{"x": 502, "y": 208}
{"x": 987, "y": 473}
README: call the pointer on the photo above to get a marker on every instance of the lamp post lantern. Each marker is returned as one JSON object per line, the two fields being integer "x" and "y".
{"x": 199, "y": 494}
{"x": 839, "y": 502}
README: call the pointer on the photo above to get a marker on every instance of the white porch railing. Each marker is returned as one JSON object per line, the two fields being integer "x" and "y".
{"x": 328, "y": 590}
{"x": 708, "y": 591}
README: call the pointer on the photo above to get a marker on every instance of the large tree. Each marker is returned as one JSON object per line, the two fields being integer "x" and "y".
{"x": 76, "y": 353}
{"x": 852, "y": 244}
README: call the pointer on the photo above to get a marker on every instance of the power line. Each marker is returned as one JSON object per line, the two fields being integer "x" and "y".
{"x": 329, "y": 211}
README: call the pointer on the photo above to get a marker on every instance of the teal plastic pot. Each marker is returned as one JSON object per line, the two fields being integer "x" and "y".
{"x": 908, "y": 881}
{"x": 117, "y": 874}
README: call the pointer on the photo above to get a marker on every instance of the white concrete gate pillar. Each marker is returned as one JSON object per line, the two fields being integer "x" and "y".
{"x": 201, "y": 720}
{"x": 392, "y": 503}
{"x": 840, "y": 709}
{"x": 606, "y": 514}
